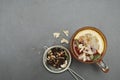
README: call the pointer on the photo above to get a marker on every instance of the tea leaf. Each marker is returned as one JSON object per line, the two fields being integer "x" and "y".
{"x": 91, "y": 57}
{"x": 96, "y": 57}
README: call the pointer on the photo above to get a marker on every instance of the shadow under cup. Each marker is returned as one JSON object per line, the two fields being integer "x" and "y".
{"x": 88, "y": 45}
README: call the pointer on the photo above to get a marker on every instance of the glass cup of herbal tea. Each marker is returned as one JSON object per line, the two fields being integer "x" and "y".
{"x": 88, "y": 45}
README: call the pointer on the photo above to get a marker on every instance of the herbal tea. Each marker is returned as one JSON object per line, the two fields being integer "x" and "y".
{"x": 88, "y": 45}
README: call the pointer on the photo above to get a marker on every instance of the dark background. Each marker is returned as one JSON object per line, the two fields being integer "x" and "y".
{"x": 27, "y": 25}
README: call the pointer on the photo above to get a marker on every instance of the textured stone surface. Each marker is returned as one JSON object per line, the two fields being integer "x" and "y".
{"x": 27, "y": 25}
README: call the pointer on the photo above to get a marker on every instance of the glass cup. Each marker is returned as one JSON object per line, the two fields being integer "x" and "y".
{"x": 88, "y": 45}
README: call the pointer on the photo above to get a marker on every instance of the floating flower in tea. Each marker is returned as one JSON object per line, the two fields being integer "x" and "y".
{"x": 86, "y": 47}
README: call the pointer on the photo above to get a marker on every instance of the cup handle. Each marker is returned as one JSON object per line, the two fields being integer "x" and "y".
{"x": 103, "y": 66}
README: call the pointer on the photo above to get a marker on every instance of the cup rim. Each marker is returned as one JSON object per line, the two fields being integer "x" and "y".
{"x": 88, "y": 28}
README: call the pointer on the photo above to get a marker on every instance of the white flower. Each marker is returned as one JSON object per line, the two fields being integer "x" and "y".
{"x": 82, "y": 57}
{"x": 64, "y": 65}
{"x": 88, "y": 50}
{"x": 56, "y": 35}
{"x": 81, "y": 47}
{"x": 66, "y": 32}
{"x": 64, "y": 41}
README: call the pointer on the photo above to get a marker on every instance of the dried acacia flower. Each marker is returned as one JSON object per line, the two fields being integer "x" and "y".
{"x": 56, "y": 35}
{"x": 57, "y": 58}
{"x": 66, "y": 32}
{"x": 64, "y": 41}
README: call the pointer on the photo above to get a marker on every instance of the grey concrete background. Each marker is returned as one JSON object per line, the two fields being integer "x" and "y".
{"x": 27, "y": 25}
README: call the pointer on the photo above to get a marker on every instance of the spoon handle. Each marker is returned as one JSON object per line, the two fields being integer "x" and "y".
{"x": 75, "y": 75}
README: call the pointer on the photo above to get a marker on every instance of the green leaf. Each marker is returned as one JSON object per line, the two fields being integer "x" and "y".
{"x": 96, "y": 57}
{"x": 91, "y": 57}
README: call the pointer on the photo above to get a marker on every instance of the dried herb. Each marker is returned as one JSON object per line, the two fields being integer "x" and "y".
{"x": 96, "y": 57}
{"x": 56, "y": 57}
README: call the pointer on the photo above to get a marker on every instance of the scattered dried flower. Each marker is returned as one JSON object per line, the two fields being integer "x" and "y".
{"x": 56, "y": 35}
{"x": 66, "y": 32}
{"x": 63, "y": 40}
